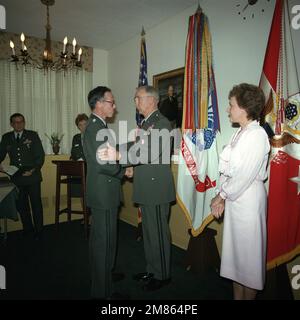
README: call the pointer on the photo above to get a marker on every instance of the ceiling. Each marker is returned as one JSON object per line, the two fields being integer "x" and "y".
{"x": 96, "y": 23}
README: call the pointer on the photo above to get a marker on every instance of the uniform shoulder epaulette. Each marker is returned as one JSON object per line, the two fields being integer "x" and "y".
{"x": 31, "y": 131}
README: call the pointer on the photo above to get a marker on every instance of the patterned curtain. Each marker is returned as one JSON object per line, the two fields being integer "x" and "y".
{"x": 50, "y": 102}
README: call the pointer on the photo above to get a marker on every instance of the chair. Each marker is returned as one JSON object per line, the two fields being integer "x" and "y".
{"x": 65, "y": 171}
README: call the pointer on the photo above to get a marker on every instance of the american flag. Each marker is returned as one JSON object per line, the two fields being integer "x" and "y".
{"x": 143, "y": 76}
{"x": 143, "y": 81}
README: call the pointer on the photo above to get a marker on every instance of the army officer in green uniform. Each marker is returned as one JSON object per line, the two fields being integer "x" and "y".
{"x": 26, "y": 152}
{"x": 153, "y": 187}
{"x": 103, "y": 194}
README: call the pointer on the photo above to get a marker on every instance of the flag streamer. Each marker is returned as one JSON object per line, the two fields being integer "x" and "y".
{"x": 198, "y": 158}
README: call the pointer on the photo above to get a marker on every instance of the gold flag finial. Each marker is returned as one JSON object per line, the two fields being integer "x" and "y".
{"x": 143, "y": 31}
{"x": 199, "y": 9}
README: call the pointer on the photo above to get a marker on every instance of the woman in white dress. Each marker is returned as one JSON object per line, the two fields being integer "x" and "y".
{"x": 243, "y": 169}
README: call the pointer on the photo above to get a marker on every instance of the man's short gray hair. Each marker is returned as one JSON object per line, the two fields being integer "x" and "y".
{"x": 150, "y": 90}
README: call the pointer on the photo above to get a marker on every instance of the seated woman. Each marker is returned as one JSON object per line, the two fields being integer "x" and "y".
{"x": 77, "y": 153}
{"x": 77, "y": 150}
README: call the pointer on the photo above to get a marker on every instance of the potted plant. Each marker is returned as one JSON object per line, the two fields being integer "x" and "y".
{"x": 55, "y": 140}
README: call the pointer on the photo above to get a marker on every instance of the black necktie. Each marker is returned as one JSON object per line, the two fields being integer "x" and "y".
{"x": 18, "y": 137}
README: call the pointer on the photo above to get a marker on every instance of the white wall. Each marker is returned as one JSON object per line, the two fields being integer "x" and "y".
{"x": 100, "y": 67}
{"x": 238, "y": 48}
{"x": 296, "y": 32}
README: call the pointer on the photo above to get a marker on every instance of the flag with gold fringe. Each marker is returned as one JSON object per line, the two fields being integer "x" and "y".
{"x": 281, "y": 119}
{"x": 198, "y": 157}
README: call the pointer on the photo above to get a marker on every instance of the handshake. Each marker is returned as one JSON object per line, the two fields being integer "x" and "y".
{"x": 129, "y": 172}
{"x": 109, "y": 153}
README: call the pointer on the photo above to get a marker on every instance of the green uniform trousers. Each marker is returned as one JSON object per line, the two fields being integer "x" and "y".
{"x": 102, "y": 250}
{"x": 157, "y": 239}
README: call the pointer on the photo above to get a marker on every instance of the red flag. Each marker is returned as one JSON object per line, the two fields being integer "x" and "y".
{"x": 280, "y": 83}
{"x": 283, "y": 211}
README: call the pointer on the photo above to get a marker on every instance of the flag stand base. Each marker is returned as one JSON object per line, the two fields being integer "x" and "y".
{"x": 278, "y": 285}
{"x": 202, "y": 254}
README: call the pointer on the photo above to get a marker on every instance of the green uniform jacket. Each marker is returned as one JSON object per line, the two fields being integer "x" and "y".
{"x": 26, "y": 154}
{"x": 103, "y": 180}
{"x": 152, "y": 182}
{"x": 77, "y": 150}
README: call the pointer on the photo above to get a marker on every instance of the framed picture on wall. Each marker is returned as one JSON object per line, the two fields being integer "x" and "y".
{"x": 170, "y": 87}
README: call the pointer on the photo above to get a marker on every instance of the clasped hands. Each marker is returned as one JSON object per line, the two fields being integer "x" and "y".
{"x": 108, "y": 153}
{"x": 111, "y": 154}
{"x": 217, "y": 206}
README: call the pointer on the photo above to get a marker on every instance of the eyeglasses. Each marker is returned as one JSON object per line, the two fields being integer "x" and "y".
{"x": 111, "y": 102}
{"x": 17, "y": 121}
{"x": 140, "y": 97}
